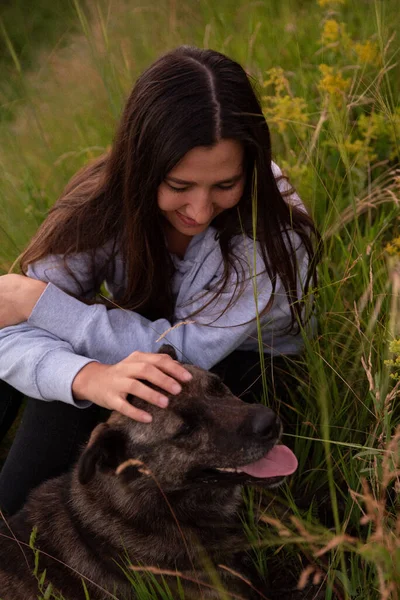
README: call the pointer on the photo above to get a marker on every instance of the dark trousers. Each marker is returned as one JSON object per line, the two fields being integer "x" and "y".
{"x": 52, "y": 434}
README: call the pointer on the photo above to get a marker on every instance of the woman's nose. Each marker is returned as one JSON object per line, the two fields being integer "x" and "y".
{"x": 201, "y": 209}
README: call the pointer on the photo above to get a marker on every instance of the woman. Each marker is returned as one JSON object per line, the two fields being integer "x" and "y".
{"x": 201, "y": 243}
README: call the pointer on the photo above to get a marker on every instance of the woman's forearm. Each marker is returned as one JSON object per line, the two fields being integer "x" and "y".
{"x": 18, "y": 296}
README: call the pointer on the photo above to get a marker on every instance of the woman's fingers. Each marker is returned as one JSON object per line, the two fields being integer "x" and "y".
{"x": 154, "y": 375}
{"x": 144, "y": 392}
{"x": 140, "y": 390}
{"x": 171, "y": 366}
{"x": 163, "y": 362}
{"x": 123, "y": 407}
{"x": 109, "y": 385}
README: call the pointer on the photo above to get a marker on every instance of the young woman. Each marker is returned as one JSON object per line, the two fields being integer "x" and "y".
{"x": 197, "y": 236}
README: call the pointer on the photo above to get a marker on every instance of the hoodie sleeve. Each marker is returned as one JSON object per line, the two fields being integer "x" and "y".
{"x": 75, "y": 275}
{"x": 38, "y": 364}
{"x": 35, "y": 361}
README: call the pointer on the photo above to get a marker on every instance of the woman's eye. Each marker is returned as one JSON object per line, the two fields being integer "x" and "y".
{"x": 226, "y": 187}
{"x": 177, "y": 189}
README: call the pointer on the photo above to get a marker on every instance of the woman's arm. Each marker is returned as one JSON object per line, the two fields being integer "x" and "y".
{"x": 43, "y": 367}
{"x": 18, "y": 296}
{"x": 111, "y": 335}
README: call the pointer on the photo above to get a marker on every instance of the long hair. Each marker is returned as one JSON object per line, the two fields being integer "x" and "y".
{"x": 189, "y": 97}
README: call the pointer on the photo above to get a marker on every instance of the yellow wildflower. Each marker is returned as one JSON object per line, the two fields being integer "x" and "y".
{"x": 394, "y": 362}
{"x": 360, "y": 151}
{"x": 332, "y": 81}
{"x": 281, "y": 106}
{"x": 367, "y": 53}
{"x": 383, "y": 127}
{"x": 276, "y": 77}
{"x": 331, "y": 32}
{"x": 324, "y": 3}
{"x": 393, "y": 248}
{"x": 372, "y": 126}
{"x": 285, "y": 110}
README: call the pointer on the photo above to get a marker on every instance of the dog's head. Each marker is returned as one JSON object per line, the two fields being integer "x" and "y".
{"x": 206, "y": 436}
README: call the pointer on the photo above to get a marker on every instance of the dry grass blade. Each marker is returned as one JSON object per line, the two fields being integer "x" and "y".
{"x": 157, "y": 571}
{"x": 246, "y": 581}
{"x": 162, "y": 336}
{"x": 13, "y": 535}
{"x": 385, "y": 189}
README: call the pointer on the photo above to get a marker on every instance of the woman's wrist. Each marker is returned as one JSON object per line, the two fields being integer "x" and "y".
{"x": 81, "y": 385}
{"x": 29, "y": 294}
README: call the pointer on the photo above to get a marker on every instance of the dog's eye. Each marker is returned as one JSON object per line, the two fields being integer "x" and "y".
{"x": 184, "y": 430}
{"x": 215, "y": 386}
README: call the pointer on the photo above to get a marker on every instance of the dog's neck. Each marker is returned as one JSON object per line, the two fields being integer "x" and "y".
{"x": 145, "y": 501}
{"x": 206, "y": 504}
{"x": 197, "y": 518}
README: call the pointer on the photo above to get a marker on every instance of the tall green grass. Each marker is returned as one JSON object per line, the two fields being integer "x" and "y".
{"x": 336, "y": 131}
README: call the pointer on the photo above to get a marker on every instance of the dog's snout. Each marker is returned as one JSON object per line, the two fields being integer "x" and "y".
{"x": 265, "y": 422}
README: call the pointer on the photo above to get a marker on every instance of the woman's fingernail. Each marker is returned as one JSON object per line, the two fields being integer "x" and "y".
{"x": 176, "y": 388}
{"x": 146, "y": 418}
{"x": 163, "y": 401}
{"x": 187, "y": 376}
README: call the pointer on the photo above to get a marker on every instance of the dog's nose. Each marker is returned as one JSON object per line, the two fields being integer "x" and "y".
{"x": 265, "y": 422}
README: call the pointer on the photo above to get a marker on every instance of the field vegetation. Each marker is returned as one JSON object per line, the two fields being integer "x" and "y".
{"x": 328, "y": 75}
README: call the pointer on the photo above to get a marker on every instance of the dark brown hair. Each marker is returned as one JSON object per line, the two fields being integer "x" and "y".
{"x": 189, "y": 97}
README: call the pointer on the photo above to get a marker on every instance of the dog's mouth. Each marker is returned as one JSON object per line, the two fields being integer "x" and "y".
{"x": 276, "y": 464}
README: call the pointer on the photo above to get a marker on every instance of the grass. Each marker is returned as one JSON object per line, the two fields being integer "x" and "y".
{"x": 332, "y": 109}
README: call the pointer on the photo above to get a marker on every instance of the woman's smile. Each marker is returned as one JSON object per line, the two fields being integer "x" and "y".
{"x": 187, "y": 221}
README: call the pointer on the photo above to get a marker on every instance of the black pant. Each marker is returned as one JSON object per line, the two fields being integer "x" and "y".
{"x": 52, "y": 434}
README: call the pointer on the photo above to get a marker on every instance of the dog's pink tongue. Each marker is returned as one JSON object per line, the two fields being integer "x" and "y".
{"x": 277, "y": 462}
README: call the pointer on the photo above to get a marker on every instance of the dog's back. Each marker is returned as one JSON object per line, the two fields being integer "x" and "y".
{"x": 42, "y": 537}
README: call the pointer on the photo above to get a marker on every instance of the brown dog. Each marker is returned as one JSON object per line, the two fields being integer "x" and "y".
{"x": 188, "y": 466}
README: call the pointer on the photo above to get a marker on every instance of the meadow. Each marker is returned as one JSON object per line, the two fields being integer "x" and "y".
{"x": 328, "y": 75}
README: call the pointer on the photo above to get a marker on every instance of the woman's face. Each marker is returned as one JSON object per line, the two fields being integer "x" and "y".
{"x": 207, "y": 181}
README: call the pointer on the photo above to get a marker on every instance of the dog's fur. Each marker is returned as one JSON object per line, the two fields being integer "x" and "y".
{"x": 93, "y": 520}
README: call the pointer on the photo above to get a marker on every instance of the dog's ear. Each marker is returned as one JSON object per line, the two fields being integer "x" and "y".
{"x": 105, "y": 451}
{"x": 167, "y": 349}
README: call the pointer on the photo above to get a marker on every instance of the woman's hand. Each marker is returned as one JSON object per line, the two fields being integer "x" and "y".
{"x": 109, "y": 385}
{"x": 18, "y": 296}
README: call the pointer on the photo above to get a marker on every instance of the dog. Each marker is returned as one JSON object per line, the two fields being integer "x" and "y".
{"x": 164, "y": 495}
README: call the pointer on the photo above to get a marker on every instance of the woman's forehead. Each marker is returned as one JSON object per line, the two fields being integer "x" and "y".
{"x": 223, "y": 161}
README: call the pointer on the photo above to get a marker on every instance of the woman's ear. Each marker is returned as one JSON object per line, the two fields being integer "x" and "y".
{"x": 167, "y": 349}
{"x": 104, "y": 452}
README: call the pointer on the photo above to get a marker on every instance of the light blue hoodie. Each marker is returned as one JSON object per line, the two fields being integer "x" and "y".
{"x": 42, "y": 356}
